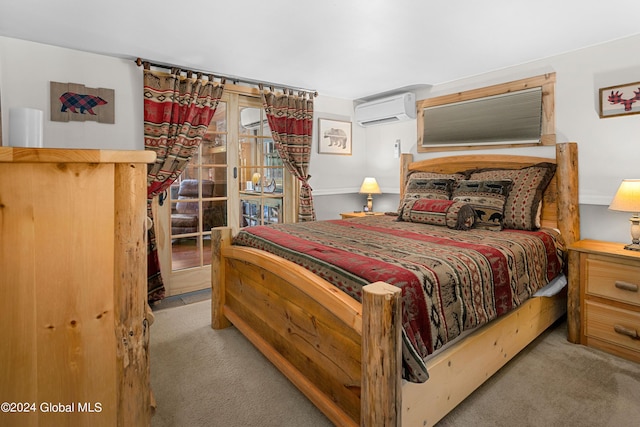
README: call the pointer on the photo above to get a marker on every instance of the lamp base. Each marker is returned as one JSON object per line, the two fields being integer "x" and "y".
{"x": 633, "y": 247}
{"x": 635, "y": 233}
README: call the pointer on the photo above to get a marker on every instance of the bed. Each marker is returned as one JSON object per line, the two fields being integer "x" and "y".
{"x": 348, "y": 356}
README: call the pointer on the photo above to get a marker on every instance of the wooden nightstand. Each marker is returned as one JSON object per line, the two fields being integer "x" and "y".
{"x": 346, "y": 215}
{"x": 607, "y": 316}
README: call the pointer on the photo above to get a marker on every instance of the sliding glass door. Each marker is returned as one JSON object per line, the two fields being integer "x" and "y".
{"x": 236, "y": 180}
{"x": 196, "y": 202}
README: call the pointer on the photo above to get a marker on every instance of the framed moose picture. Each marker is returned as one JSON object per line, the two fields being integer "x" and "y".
{"x": 620, "y": 100}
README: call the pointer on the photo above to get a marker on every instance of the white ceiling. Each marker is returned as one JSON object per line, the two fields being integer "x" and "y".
{"x": 343, "y": 48}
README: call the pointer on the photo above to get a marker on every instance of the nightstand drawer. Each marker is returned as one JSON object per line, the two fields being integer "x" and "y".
{"x": 611, "y": 280}
{"x": 614, "y": 325}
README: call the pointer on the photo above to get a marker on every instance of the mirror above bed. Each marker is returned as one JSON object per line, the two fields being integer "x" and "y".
{"x": 519, "y": 113}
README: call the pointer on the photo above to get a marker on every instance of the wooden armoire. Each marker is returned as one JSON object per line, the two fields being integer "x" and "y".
{"x": 74, "y": 331}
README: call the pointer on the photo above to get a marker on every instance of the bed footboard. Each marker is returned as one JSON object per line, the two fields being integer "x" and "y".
{"x": 346, "y": 356}
{"x": 463, "y": 367}
{"x": 313, "y": 332}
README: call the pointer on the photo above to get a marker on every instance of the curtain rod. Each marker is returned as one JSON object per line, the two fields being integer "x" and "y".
{"x": 234, "y": 79}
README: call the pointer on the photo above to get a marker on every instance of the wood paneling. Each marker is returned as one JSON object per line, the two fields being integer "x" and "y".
{"x": 317, "y": 343}
{"x": 73, "y": 288}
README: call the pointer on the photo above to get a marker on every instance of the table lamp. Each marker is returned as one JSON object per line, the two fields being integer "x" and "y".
{"x": 627, "y": 199}
{"x": 370, "y": 186}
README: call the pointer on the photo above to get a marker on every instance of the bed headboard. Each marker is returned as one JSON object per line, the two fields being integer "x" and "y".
{"x": 560, "y": 201}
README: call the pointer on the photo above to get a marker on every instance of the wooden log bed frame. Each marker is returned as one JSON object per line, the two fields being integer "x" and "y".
{"x": 346, "y": 356}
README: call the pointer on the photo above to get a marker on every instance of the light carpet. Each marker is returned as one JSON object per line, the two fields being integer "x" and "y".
{"x": 206, "y": 377}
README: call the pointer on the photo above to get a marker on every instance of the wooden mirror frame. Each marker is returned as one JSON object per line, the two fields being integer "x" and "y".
{"x": 546, "y": 82}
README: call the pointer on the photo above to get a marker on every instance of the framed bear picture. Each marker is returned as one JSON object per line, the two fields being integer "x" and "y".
{"x": 334, "y": 137}
{"x": 78, "y": 103}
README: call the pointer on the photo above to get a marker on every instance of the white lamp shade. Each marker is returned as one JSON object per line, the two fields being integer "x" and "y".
{"x": 370, "y": 186}
{"x": 627, "y": 198}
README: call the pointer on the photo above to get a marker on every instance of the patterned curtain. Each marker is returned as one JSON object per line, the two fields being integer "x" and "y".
{"x": 291, "y": 121}
{"x": 177, "y": 113}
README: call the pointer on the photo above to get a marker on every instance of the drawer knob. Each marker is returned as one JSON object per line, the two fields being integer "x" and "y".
{"x": 626, "y": 286}
{"x": 626, "y": 331}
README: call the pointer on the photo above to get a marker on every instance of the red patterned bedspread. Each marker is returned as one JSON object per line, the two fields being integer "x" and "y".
{"x": 451, "y": 280}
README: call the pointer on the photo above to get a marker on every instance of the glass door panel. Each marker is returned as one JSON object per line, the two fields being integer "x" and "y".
{"x": 260, "y": 211}
{"x": 271, "y": 210}
{"x": 236, "y": 150}
{"x": 199, "y": 198}
{"x": 261, "y": 183}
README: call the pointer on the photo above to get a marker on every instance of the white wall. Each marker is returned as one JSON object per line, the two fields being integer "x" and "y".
{"x": 609, "y": 150}
{"x": 26, "y": 70}
{"x": 333, "y": 174}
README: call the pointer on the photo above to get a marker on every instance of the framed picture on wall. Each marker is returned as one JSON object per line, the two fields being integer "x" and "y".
{"x": 75, "y": 102}
{"x": 334, "y": 137}
{"x": 620, "y": 100}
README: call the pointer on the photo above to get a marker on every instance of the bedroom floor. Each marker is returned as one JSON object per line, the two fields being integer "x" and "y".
{"x": 182, "y": 299}
{"x": 551, "y": 383}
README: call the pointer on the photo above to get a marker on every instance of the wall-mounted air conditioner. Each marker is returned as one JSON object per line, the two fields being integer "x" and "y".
{"x": 386, "y": 110}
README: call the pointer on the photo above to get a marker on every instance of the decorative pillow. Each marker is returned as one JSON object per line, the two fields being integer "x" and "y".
{"x": 418, "y": 187}
{"x": 487, "y": 199}
{"x": 435, "y": 175}
{"x": 456, "y": 215}
{"x": 522, "y": 208}
{"x": 460, "y": 216}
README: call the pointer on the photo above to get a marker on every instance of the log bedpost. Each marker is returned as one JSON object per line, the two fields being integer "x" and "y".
{"x": 381, "y": 396}
{"x": 220, "y": 238}
{"x": 569, "y": 223}
{"x": 567, "y": 182}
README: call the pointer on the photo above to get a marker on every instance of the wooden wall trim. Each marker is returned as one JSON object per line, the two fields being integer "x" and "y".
{"x": 546, "y": 81}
